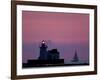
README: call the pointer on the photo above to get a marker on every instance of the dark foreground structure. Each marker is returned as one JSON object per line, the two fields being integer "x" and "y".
{"x": 43, "y": 63}
{"x": 50, "y": 63}
{"x": 46, "y": 58}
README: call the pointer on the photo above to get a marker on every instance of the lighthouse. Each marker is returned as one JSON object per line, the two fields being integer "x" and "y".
{"x": 43, "y": 51}
{"x": 46, "y": 57}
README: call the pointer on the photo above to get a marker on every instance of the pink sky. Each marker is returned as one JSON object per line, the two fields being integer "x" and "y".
{"x": 58, "y": 27}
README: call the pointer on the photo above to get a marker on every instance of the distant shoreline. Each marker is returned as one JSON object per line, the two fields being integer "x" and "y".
{"x": 54, "y": 65}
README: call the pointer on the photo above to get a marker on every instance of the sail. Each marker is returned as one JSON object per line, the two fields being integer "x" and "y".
{"x": 75, "y": 58}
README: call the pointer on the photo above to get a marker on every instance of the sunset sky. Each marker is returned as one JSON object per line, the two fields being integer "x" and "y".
{"x": 65, "y": 31}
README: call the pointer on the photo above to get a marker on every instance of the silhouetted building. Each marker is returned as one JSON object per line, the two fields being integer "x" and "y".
{"x": 47, "y": 55}
{"x": 46, "y": 58}
{"x": 53, "y": 54}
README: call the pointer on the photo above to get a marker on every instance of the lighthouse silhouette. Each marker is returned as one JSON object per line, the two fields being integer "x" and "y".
{"x": 46, "y": 57}
{"x": 43, "y": 51}
{"x": 48, "y": 54}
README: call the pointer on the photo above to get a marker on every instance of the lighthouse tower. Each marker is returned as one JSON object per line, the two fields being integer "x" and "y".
{"x": 43, "y": 51}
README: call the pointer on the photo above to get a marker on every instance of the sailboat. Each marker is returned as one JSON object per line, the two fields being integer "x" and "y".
{"x": 75, "y": 58}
